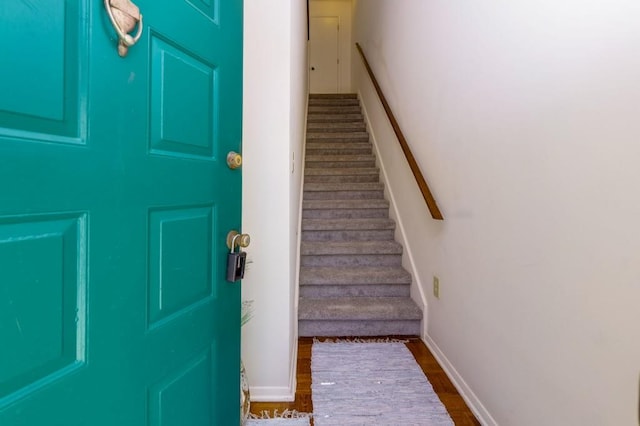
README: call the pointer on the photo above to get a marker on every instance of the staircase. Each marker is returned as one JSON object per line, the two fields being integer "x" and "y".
{"x": 352, "y": 282}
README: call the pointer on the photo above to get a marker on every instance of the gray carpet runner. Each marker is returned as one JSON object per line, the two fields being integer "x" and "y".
{"x": 352, "y": 282}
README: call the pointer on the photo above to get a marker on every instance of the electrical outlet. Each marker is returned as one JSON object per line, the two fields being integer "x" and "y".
{"x": 436, "y": 287}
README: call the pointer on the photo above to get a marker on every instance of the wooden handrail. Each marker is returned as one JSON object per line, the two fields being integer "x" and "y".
{"x": 415, "y": 169}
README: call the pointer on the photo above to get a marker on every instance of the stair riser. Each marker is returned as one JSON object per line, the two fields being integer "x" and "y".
{"x": 336, "y": 127}
{"x": 345, "y": 213}
{"x": 314, "y": 96}
{"x": 334, "y": 118}
{"x": 311, "y": 328}
{"x": 337, "y": 138}
{"x": 351, "y": 260}
{"x": 334, "y": 109}
{"x": 366, "y": 150}
{"x": 369, "y": 171}
{"x": 340, "y": 164}
{"x": 333, "y": 145}
{"x": 334, "y": 102}
{"x": 355, "y": 291}
{"x": 343, "y": 195}
{"x": 342, "y": 179}
{"x": 364, "y": 235}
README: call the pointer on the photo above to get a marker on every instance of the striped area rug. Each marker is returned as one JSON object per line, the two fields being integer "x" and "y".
{"x": 373, "y": 383}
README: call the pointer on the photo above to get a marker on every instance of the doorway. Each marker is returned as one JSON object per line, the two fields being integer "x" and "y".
{"x": 324, "y": 54}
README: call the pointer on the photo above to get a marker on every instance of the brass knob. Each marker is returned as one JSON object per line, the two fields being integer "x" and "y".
{"x": 236, "y": 239}
{"x": 234, "y": 160}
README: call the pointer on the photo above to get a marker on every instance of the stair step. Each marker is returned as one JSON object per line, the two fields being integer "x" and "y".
{"x": 350, "y": 276}
{"x": 336, "y": 171}
{"x": 350, "y": 253}
{"x": 338, "y": 136}
{"x": 338, "y": 161}
{"x": 335, "y": 118}
{"x": 325, "y": 109}
{"x": 368, "y": 290}
{"x": 349, "y": 126}
{"x": 354, "y": 282}
{"x": 321, "y": 148}
{"x": 349, "y": 235}
{"x": 339, "y": 174}
{"x": 312, "y": 248}
{"x": 322, "y": 109}
{"x": 343, "y": 191}
{"x": 333, "y": 96}
{"x": 348, "y": 229}
{"x": 373, "y": 177}
{"x": 359, "y": 308}
{"x": 343, "y": 209}
{"x": 347, "y": 224}
{"x": 359, "y": 328}
{"x": 334, "y": 102}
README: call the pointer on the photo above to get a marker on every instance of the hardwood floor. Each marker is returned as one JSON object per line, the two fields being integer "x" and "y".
{"x": 457, "y": 408}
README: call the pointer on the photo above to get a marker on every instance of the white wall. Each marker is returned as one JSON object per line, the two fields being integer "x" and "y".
{"x": 524, "y": 117}
{"x": 273, "y": 130}
{"x": 342, "y": 9}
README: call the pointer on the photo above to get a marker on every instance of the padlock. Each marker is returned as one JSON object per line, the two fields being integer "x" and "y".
{"x": 235, "y": 262}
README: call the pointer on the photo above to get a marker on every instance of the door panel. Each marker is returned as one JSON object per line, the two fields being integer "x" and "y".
{"x": 323, "y": 54}
{"x": 116, "y": 201}
{"x": 36, "y": 98}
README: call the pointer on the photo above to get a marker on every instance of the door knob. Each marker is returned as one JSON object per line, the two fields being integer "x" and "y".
{"x": 234, "y": 160}
{"x": 236, "y": 239}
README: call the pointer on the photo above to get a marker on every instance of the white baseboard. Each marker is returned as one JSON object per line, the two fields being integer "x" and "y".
{"x": 271, "y": 394}
{"x": 395, "y": 215}
{"x": 478, "y": 409}
{"x": 279, "y": 393}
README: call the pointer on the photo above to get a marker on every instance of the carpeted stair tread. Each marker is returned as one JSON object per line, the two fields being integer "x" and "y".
{"x": 368, "y": 229}
{"x": 335, "y": 118}
{"x": 338, "y": 248}
{"x": 334, "y": 109}
{"x": 320, "y": 148}
{"x": 347, "y": 224}
{"x": 331, "y": 159}
{"x": 342, "y": 136}
{"x": 342, "y": 178}
{"x": 335, "y": 175}
{"x": 333, "y": 171}
{"x": 357, "y": 126}
{"x": 334, "y": 102}
{"x": 324, "y": 146}
{"x": 333, "y": 96}
{"x": 322, "y": 211}
{"x": 344, "y": 204}
{"x": 356, "y": 186}
{"x": 359, "y": 308}
{"x": 350, "y": 276}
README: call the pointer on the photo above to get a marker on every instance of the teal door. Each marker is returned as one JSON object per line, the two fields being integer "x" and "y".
{"x": 115, "y": 203}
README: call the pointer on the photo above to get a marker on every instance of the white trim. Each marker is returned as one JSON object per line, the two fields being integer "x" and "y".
{"x": 271, "y": 394}
{"x": 416, "y": 283}
{"x": 472, "y": 400}
{"x": 293, "y": 377}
